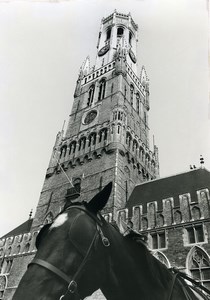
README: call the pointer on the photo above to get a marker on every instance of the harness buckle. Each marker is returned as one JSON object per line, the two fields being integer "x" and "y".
{"x": 72, "y": 287}
{"x": 105, "y": 242}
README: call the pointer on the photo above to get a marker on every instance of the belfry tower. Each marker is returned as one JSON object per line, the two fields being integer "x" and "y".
{"x": 107, "y": 138}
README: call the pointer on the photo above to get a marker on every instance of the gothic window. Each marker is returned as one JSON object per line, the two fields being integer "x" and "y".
{"x": 158, "y": 240}
{"x": 128, "y": 139}
{"x": 82, "y": 143}
{"x": 115, "y": 115}
{"x": 3, "y": 283}
{"x": 137, "y": 102}
{"x": 108, "y": 34}
{"x": 135, "y": 145}
{"x": 199, "y": 266}
{"x": 145, "y": 118}
{"x": 162, "y": 258}
{"x": 130, "y": 37}
{"x": 131, "y": 94}
{"x": 63, "y": 151}
{"x": 177, "y": 217}
{"x": 103, "y": 135}
{"x": 102, "y": 88}
{"x": 6, "y": 266}
{"x": 72, "y": 147}
{"x": 90, "y": 95}
{"x": 196, "y": 213}
{"x": 120, "y": 32}
{"x": 160, "y": 220}
{"x": 125, "y": 91}
{"x": 92, "y": 139}
{"x": 195, "y": 234}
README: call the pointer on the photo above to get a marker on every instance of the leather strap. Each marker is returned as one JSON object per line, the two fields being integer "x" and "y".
{"x": 50, "y": 267}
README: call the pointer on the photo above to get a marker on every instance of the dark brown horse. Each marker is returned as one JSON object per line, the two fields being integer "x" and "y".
{"x": 80, "y": 253}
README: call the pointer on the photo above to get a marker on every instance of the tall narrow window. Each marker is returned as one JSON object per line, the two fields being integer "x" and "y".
{"x": 137, "y": 102}
{"x": 108, "y": 34}
{"x": 120, "y": 32}
{"x": 102, "y": 87}
{"x": 130, "y": 37}
{"x": 145, "y": 118}
{"x": 131, "y": 94}
{"x": 90, "y": 95}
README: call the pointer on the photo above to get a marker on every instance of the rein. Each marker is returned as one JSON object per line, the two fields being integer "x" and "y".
{"x": 194, "y": 287}
{"x": 72, "y": 283}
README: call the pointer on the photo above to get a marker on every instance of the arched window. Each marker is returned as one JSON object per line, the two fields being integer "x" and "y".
{"x": 102, "y": 88}
{"x": 120, "y": 32}
{"x": 115, "y": 115}
{"x": 131, "y": 94}
{"x": 82, "y": 143}
{"x": 130, "y": 37}
{"x": 135, "y": 145}
{"x": 199, "y": 266}
{"x": 3, "y": 284}
{"x": 72, "y": 147}
{"x": 145, "y": 118}
{"x": 108, "y": 34}
{"x": 162, "y": 258}
{"x": 90, "y": 95}
{"x": 128, "y": 139}
{"x": 63, "y": 151}
{"x": 92, "y": 139}
{"x": 103, "y": 135}
{"x": 137, "y": 102}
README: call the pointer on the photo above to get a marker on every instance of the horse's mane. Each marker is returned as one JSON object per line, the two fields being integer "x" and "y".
{"x": 159, "y": 272}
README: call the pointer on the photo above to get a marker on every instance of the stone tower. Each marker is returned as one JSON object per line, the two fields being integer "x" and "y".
{"x": 107, "y": 138}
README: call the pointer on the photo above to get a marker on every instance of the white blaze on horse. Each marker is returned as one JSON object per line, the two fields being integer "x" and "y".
{"x": 81, "y": 253}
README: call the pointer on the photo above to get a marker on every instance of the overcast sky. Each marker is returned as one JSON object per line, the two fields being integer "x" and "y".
{"x": 42, "y": 46}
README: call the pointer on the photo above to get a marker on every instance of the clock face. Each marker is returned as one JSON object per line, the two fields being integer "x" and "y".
{"x": 103, "y": 50}
{"x": 132, "y": 56}
{"x": 90, "y": 117}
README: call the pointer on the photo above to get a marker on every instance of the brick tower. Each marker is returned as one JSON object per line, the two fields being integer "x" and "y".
{"x": 107, "y": 138}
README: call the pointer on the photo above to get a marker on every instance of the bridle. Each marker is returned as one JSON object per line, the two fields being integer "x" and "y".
{"x": 72, "y": 282}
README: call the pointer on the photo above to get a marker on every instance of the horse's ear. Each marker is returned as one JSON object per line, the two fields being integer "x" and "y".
{"x": 98, "y": 202}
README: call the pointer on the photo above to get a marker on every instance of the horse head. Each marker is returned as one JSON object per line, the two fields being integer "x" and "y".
{"x": 67, "y": 265}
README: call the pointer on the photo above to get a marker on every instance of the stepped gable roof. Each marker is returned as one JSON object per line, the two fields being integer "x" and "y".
{"x": 167, "y": 187}
{"x": 22, "y": 228}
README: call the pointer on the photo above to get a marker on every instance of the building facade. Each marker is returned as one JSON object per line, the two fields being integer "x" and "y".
{"x": 107, "y": 139}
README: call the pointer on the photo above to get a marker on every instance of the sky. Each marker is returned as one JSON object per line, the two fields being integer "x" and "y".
{"x": 42, "y": 46}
